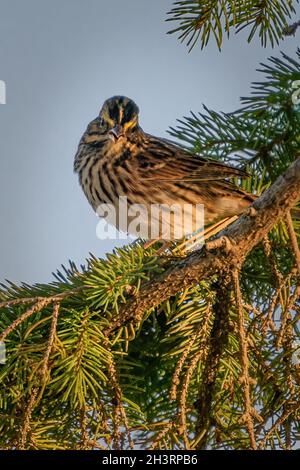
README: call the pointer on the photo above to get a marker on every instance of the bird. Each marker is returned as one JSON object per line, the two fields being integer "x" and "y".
{"x": 117, "y": 161}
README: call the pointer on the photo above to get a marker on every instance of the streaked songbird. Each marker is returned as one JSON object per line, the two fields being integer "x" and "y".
{"x": 117, "y": 158}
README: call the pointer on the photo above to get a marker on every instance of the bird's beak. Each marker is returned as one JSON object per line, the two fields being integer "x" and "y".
{"x": 116, "y": 133}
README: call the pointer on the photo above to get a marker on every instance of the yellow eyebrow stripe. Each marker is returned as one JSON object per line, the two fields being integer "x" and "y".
{"x": 106, "y": 117}
{"x": 129, "y": 124}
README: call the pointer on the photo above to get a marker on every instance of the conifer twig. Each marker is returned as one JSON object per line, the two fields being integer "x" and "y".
{"x": 40, "y": 303}
{"x": 27, "y": 417}
{"x": 245, "y": 378}
{"x": 293, "y": 239}
{"x": 288, "y": 411}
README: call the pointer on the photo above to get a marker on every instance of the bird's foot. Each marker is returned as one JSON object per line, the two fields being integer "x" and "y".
{"x": 223, "y": 243}
{"x": 252, "y": 212}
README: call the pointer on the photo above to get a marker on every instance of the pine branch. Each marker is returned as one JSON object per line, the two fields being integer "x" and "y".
{"x": 199, "y": 19}
{"x": 217, "y": 344}
{"x": 244, "y": 235}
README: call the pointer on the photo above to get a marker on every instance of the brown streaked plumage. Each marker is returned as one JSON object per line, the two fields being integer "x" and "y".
{"x": 116, "y": 158}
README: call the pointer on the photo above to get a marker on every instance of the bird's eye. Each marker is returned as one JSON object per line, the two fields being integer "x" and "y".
{"x": 101, "y": 122}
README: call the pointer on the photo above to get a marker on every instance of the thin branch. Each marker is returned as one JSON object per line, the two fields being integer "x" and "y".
{"x": 285, "y": 317}
{"x": 289, "y": 410}
{"x": 245, "y": 378}
{"x": 119, "y": 411}
{"x": 44, "y": 367}
{"x": 267, "y": 247}
{"x": 201, "y": 334}
{"x": 84, "y": 444}
{"x": 183, "y": 428}
{"x": 30, "y": 300}
{"x": 217, "y": 343}
{"x": 268, "y": 321}
{"x": 27, "y": 417}
{"x": 40, "y": 303}
{"x": 37, "y": 307}
{"x": 161, "y": 435}
{"x": 293, "y": 239}
{"x": 34, "y": 397}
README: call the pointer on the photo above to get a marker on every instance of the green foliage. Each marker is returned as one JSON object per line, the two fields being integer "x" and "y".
{"x": 77, "y": 375}
{"x": 199, "y": 19}
{"x": 263, "y": 135}
{"x": 174, "y": 378}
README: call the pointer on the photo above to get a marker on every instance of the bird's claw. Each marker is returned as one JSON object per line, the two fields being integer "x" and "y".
{"x": 223, "y": 243}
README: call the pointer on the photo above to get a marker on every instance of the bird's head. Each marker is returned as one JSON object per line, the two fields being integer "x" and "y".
{"x": 119, "y": 116}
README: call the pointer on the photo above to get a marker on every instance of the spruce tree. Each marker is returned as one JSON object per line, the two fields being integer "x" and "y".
{"x": 140, "y": 350}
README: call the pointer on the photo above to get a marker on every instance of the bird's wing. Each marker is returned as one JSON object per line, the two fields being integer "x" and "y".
{"x": 161, "y": 160}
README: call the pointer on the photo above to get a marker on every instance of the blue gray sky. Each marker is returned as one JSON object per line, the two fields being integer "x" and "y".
{"x": 60, "y": 59}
